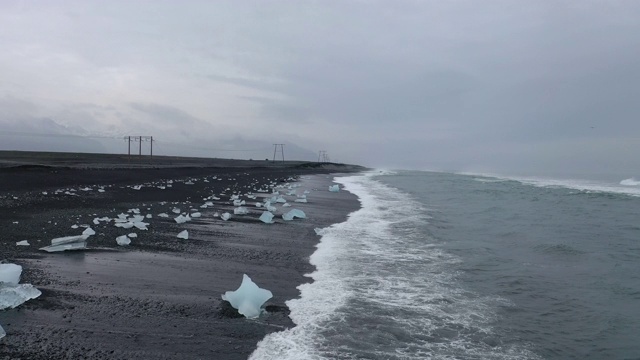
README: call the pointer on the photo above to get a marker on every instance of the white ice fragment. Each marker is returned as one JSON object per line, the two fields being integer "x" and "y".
{"x": 126, "y": 225}
{"x": 74, "y": 226}
{"x": 149, "y": 216}
{"x": 266, "y": 217}
{"x": 258, "y": 204}
{"x": 13, "y": 295}
{"x": 334, "y": 188}
{"x": 132, "y": 235}
{"x": 141, "y": 225}
{"x": 88, "y": 231}
{"x": 163, "y": 215}
{"x": 240, "y": 211}
{"x": 136, "y": 218}
{"x": 196, "y": 215}
{"x": 181, "y": 219}
{"x": 23, "y": 243}
{"x": 123, "y": 240}
{"x": 248, "y": 299}
{"x": 75, "y": 242}
{"x": 294, "y": 213}
{"x": 319, "y": 231}
{"x": 301, "y": 200}
{"x": 44, "y": 193}
{"x": 184, "y": 234}
{"x": 176, "y": 211}
{"x": 226, "y": 216}
{"x": 137, "y": 187}
{"x": 135, "y": 211}
{"x": 286, "y": 205}
{"x": 101, "y": 190}
{"x": 10, "y": 273}
{"x": 238, "y": 202}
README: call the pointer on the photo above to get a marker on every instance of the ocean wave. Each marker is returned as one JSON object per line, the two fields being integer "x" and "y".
{"x": 625, "y": 187}
{"x": 630, "y": 182}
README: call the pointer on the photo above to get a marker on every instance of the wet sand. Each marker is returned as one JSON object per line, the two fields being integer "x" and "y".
{"x": 158, "y": 298}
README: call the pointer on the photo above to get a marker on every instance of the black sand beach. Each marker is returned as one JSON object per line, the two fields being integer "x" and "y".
{"x": 158, "y": 298}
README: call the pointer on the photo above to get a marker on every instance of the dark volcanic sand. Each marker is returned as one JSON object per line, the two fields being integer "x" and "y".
{"x": 158, "y": 298}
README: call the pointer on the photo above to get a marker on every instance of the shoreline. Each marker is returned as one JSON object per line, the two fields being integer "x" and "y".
{"x": 160, "y": 297}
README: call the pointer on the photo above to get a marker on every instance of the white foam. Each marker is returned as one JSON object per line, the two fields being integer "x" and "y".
{"x": 379, "y": 260}
{"x": 626, "y": 186}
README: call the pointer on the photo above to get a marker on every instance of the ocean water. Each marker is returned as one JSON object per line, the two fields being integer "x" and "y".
{"x": 459, "y": 266}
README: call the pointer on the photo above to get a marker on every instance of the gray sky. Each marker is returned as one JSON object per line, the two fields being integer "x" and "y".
{"x": 503, "y": 86}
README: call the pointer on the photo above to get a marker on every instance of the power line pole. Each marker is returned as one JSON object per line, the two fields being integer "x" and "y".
{"x": 139, "y": 140}
{"x": 321, "y": 155}
{"x": 275, "y": 150}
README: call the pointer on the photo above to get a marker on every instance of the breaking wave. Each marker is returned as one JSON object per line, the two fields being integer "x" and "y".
{"x": 625, "y": 187}
{"x": 630, "y": 182}
{"x": 383, "y": 289}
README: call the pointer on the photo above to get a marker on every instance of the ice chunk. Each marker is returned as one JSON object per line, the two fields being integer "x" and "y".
{"x": 137, "y": 187}
{"x": 123, "y": 240}
{"x": 163, "y": 215}
{"x": 239, "y": 202}
{"x": 23, "y": 243}
{"x": 286, "y": 205}
{"x": 301, "y": 200}
{"x": 76, "y": 242}
{"x": 226, "y": 216}
{"x": 10, "y": 273}
{"x": 141, "y": 225}
{"x": 319, "y": 231}
{"x": 2, "y": 333}
{"x": 176, "y": 211}
{"x": 182, "y": 219}
{"x": 334, "y": 188}
{"x": 88, "y": 232}
{"x": 294, "y": 213}
{"x": 196, "y": 215}
{"x": 12, "y": 295}
{"x": 258, "y": 204}
{"x": 126, "y": 225}
{"x": 240, "y": 211}
{"x": 184, "y": 234}
{"x": 266, "y": 217}
{"x": 248, "y": 299}
{"x": 133, "y": 235}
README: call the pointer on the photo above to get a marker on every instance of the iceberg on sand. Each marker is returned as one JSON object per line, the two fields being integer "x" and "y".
{"x": 76, "y": 242}
{"x": 294, "y": 213}
{"x": 184, "y": 234}
{"x": 123, "y": 240}
{"x": 10, "y": 273}
{"x": 334, "y": 188}
{"x": 240, "y": 211}
{"x": 13, "y": 294}
{"x": 266, "y": 217}
{"x": 248, "y": 299}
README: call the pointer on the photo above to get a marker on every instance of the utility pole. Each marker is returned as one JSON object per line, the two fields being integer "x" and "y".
{"x": 321, "y": 155}
{"x": 139, "y": 140}
{"x": 275, "y": 150}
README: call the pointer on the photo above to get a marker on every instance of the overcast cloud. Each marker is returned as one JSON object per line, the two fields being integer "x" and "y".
{"x": 496, "y": 86}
